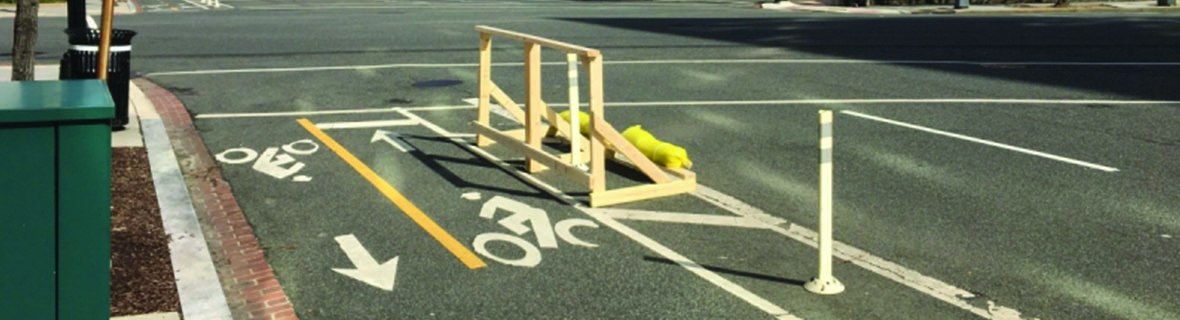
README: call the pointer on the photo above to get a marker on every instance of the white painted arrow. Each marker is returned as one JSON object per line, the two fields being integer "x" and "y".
{"x": 393, "y": 138}
{"x": 367, "y": 270}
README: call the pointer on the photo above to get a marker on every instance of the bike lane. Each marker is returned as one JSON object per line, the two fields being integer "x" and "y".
{"x": 318, "y": 218}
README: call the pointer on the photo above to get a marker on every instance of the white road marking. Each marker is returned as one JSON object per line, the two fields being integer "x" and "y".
{"x": 531, "y": 258}
{"x": 366, "y": 124}
{"x": 708, "y": 275}
{"x": 198, "y": 5}
{"x": 715, "y": 103}
{"x": 271, "y": 163}
{"x": 292, "y": 113}
{"x": 494, "y": 108}
{"x": 982, "y": 141}
{"x": 892, "y": 271}
{"x": 676, "y": 61}
{"x": 290, "y": 147}
{"x": 393, "y": 139}
{"x": 538, "y": 220}
{"x": 248, "y": 155}
{"x": 697, "y": 269}
{"x": 562, "y": 228}
{"x": 367, "y": 270}
{"x": 687, "y": 218}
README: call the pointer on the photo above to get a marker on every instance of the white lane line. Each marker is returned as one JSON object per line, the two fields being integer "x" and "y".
{"x": 718, "y": 103}
{"x": 697, "y": 269}
{"x": 881, "y": 101}
{"x": 675, "y": 61}
{"x": 197, "y": 5}
{"x": 687, "y": 218}
{"x": 291, "y": 113}
{"x": 708, "y": 275}
{"x": 982, "y": 141}
{"x": 885, "y": 268}
{"x": 367, "y": 124}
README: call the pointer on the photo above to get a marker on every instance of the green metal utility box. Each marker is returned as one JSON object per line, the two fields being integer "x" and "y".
{"x": 55, "y": 199}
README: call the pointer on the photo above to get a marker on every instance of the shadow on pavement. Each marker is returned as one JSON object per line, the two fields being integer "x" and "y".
{"x": 1144, "y": 38}
{"x": 732, "y": 272}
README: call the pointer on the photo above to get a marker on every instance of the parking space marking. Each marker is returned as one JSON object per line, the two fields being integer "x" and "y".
{"x": 453, "y": 245}
{"x": 981, "y": 141}
{"x": 366, "y": 124}
{"x": 679, "y": 61}
{"x": 688, "y": 218}
{"x": 710, "y": 276}
{"x": 911, "y": 278}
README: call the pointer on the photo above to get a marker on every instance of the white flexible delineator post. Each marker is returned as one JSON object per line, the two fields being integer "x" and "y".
{"x": 825, "y": 283}
{"x": 575, "y": 116}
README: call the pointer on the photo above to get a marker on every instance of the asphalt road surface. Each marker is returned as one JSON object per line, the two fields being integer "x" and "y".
{"x": 985, "y": 166}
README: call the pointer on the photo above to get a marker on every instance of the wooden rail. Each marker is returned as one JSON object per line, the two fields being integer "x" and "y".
{"x": 604, "y": 141}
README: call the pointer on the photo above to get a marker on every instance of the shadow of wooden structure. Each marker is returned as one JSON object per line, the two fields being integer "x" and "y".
{"x": 603, "y": 142}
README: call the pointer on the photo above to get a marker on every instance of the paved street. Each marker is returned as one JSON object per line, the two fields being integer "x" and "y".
{"x": 1000, "y": 167}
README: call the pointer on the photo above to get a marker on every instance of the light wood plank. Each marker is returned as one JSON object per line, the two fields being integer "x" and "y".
{"x": 641, "y": 192}
{"x": 640, "y": 162}
{"x": 532, "y": 110}
{"x": 527, "y": 38}
{"x": 543, "y": 158}
{"x": 505, "y": 101}
{"x": 597, "y": 163}
{"x": 485, "y": 86}
{"x": 676, "y": 173}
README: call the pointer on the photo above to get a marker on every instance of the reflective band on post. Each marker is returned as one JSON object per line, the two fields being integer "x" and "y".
{"x": 76, "y": 47}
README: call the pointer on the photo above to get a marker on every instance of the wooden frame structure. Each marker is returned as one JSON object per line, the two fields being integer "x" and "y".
{"x": 604, "y": 141}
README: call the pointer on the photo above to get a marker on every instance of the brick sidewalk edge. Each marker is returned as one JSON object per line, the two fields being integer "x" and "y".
{"x": 247, "y": 279}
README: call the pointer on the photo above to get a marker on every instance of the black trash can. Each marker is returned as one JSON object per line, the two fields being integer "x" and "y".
{"x": 81, "y": 62}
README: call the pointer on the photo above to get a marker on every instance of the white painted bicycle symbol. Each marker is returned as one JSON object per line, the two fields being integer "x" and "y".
{"x": 271, "y": 162}
{"x": 537, "y": 222}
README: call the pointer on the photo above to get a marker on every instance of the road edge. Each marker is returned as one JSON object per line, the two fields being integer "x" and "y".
{"x": 246, "y": 278}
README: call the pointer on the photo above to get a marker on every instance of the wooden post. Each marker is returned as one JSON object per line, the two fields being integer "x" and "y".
{"x": 575, "y": 114}
{"x": 534, "y": 108}
{"x": 485, "y": 85}
{"x": 597, "y": 149}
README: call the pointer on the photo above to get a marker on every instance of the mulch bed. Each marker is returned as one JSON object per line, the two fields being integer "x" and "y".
{"x": 141, "y": 274}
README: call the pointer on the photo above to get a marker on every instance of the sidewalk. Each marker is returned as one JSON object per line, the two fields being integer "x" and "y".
{"x": 835, "y": 6}
{"x": 198, "y": 286}
{"x": 93, "y": 8}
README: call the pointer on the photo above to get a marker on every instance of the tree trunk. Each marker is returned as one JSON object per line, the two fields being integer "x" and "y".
{"x": 24, "y": 40}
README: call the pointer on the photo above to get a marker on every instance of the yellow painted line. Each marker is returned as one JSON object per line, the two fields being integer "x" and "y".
{"x": 454, "y": 246}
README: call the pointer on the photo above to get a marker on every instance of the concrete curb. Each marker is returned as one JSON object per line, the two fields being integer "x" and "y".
{"x": 245, "y": 276}
{"x": 196, "y": 278}
{"x": 151, "y": 316}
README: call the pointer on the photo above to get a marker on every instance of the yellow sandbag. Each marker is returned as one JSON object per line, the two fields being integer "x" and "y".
{"x": 583, "y": 120}
{"x": 662, "y": 153}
